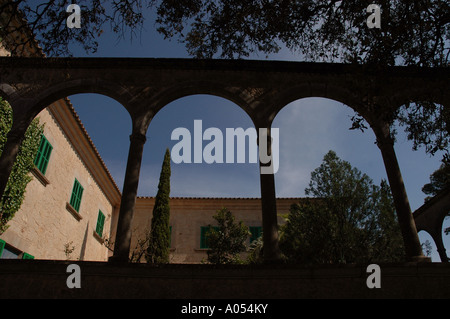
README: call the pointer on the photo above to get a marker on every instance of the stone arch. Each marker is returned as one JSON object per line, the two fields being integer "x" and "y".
{"x": 212, "y": 109}
{"x": 80, "y": 86}
{"x": 10, "y": 94}
{"x": 7, "y": 92}
{"x": 430, "y": 218}
{"x": 446, "y": 236}
{"x": 342, "y": 94}
{"x": 246, "y": 99}
{"x": 261, "y": 88}
{"x": 428, "y": 93}
{"x": 312, "y": 124}
{"x": 425, "y": 236}
{"x": 237, "y": 96}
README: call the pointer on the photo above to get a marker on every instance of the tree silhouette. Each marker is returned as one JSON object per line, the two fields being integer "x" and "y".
{"x": 159, "y": 243}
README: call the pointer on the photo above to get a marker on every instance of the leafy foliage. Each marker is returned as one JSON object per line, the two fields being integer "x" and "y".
{"x": 256, "y": 252}
{"x": 47, "y": 21}
{"x": 159, "y": 242}
{"x": 412, "y": 32}
{"x": 427, "y": 125}
{"x": 226, "y": 241}
{"x": 350, "y": 220}
{"x": 14, "y": 193}
{"x": 439, "y": 180}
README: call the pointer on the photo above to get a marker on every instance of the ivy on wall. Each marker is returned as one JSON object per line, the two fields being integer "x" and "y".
{"x": 14, "y": 193}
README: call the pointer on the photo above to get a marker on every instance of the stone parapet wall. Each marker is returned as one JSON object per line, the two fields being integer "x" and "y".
{"x": 47, "y": 279}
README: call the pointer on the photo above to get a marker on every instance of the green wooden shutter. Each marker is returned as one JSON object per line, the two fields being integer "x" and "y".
{"x": 203, "y": 243}
{"x": 43, "y": 155}
{"x": 203, "y": 236}
{"x": 2, "y": 247}
{"x": 77, "y": 193}
{"x": 27, "y": 256}
{"x": 100, "y": 223}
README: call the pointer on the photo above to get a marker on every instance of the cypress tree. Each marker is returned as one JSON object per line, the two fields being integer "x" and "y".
{"x": 159, "y": 245}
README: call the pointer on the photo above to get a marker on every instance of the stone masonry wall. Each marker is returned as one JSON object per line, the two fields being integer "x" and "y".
{"x": 43, "y": 225}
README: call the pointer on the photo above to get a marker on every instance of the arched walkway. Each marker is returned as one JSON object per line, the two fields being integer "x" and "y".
{"x": 191, "y": 179}
{"x": 311, "y": 127}
{"x": 430, "y": 218}
{"x": 260, "y": 88}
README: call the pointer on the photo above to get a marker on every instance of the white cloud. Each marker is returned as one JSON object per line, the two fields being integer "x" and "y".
{"x": 307, "y": 132}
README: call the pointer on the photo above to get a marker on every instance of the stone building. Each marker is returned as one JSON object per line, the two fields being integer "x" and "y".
{"x": 71, "y": 199}
{"x": 70, "y": 202}
{"x": 190, "y": 217}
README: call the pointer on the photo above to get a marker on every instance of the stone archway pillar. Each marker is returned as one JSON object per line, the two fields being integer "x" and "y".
{"x": 437, "y": 237}
{"x": 129, "y": 193}
{"x": 405, "y": 218}
{"x": 272, "y": 251}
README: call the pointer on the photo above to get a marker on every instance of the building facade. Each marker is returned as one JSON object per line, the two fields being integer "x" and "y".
{"x": 72, "y": 198}
{"x": 190, "y": 218}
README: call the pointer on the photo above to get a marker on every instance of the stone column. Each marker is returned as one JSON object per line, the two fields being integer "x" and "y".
{"x": 129, "y": 193}
{"x": 437, "y": 237}
{"x": 269, "y": 205}
{"x": 411, "y": 240}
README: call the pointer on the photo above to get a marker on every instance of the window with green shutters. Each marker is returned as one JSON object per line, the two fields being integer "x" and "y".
{"x": 77, "y": 194}
{"x": 204, "y": 237}
{"x": 2, "y": 247}
{"x": 43, "y": 155}
{"x": 255, "y": 232}
{"x": 100, "y": 223}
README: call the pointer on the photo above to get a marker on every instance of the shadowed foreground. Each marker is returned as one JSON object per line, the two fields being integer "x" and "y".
{"x": 47, "y": 279}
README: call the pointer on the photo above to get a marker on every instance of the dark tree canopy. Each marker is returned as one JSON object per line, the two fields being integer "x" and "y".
{"x": 439, "y": 180}
{"x": 46, "y": 20}
{"x": 411, "y": 33}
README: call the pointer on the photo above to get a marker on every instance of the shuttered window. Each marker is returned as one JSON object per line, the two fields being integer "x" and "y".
{"x": 2, "y": 247}
{"x": 204, "y": 237}
{"x": 100, "y": 223}
{"x": 77, "y": 194}
{"x": 43, "y": 155}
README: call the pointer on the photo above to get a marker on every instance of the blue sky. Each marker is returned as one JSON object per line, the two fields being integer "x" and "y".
{"x": 309, "y": 128}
